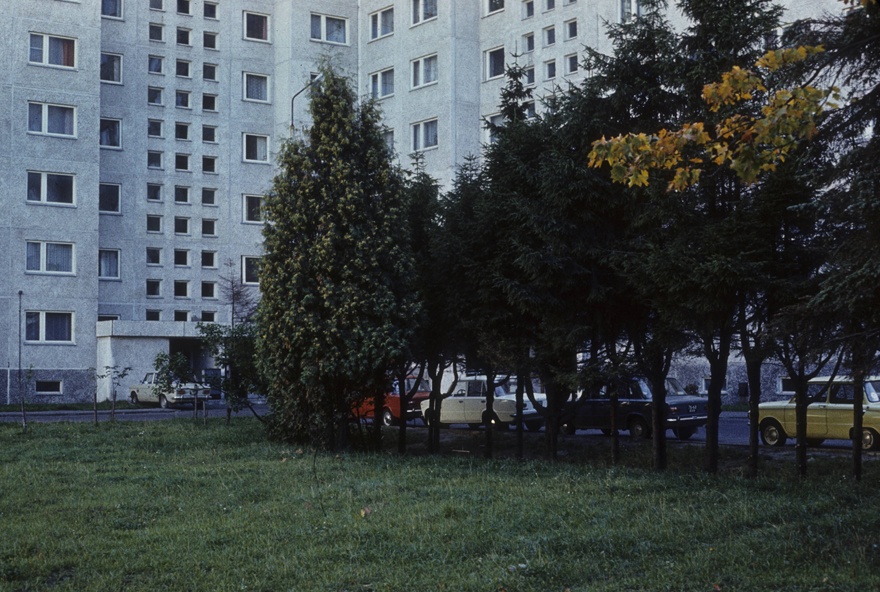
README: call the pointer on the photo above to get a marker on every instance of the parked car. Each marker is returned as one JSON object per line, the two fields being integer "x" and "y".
{"x": 467, "y": 405}
{"x": 186, "y": 393}
{"x": 685, "y": 413}
{"x": 391, "y": 410}
{"x": 829, "y": 413}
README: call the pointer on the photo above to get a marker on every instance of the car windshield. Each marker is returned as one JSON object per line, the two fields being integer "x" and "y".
{"x": 673, "y": 387}
{"x": 872, "y": 391}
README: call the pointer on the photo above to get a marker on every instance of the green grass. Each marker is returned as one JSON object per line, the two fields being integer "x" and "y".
{"x": 176, "y": 505}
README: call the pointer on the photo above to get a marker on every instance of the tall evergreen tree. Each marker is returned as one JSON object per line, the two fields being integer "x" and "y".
{"x": 336, "y": 299}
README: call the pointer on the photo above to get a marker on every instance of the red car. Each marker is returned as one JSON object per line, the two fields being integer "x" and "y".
{"x": 391, "y": 410}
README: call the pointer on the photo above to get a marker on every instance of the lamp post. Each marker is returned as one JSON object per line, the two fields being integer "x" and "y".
{"x": 298, "y": 93}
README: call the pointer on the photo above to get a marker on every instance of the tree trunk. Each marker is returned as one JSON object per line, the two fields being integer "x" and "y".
{"x": 800, "y": 414}
{"x": 717, "y": 358}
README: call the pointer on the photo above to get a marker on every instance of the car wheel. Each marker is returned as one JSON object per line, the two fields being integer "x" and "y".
{"x": 772, "y": 434}
{"x": 638, "y": 428}
{"x": 388, "y": 418}
{"x": 684, "y": 433}
{"x": 534, "y": 426}
{"x": 869, "y": 439}
{"x": 813, "y": 442}
{"x": 133, "y": 398}
{"x": 163, "y": 402}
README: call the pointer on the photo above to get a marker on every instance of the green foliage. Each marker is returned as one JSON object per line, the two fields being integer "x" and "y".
{"x": 333, "y": 319}
{"x": 172, "y": 370}
{"x": 234, "y": 349}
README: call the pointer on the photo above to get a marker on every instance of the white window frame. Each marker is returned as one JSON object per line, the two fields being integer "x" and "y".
{"x": 214, "y": 130}
{"x": 213, "y": 290}
{"x": 496, "y": 119}
{"x": 158, "y": 252}
{"x": 186, "y": 258}
{"x": 322, "y": 34}
{"x": 118, "y": 275}
{"x": 183, "y": 93}
{"x": 181, "y": 194}
{"x": 548, "y": 36}
{"x": 566, "y": 29}
{"x": 567, "y": 60}
{"x": 245, "y": 209}
{"x": 41, "y": 328}
{"x": 209, "y": 164}
{"x": 209, "y": 72}
{"x": 419, "y": 71}
{"x": 187, "y": 34}
{"x": 118, "y": 189}
{"x": 42, "y": 267}
{"x": 44, "y": 119}
{"x": 244, "y": 27}
{"x": 158, "y": 218}
{"x": 161, "y": 92}
{"x": 118, "y": 125}
{"x": 157, "y": 27}
{"x": 418, "y": 11}
{"x": 159, "y": 187}
{"x": 118, "y": 58}
{"x": 152, "y": 131}
{"x": 528, "y": 43}
{"x": 418, "y": 135}
{"x": 488, "y": 59}
{"x": 157, "y": 284}
{"x": 157, "y": 5}
{"x": 161, "y": 157}
{"x": 378, "y": 86}
{"x": 212, "y": 255}
{"x": 44, "y": 189}
{"x": 492, "y": 6}
{"x": 549, "y": 5}
{"x": 205, "y": 10}
{"x": 212, "y": 232}
{"x": 187, "y": 68}
{"x": 528, "y": 9}
{"x": 188, "y": 222}
{"x": 629, "y": 9}
{"x": 161, "y": 62}
{"x": 214, "y": 36}
{"x": 178, "y": 284}
{"x": 245, "y": 77}
{"x": 182, "y": 126}
{"x": 119, "y": 9}
{"x": 59, "y": 390}
{"x": 244, "y": 147}
{"x": 246, "y": 263}
{"x": 187, "y": 4}
{"x": 547, "y": 66}
{"x": 213, "y": 192}
{"x": 377, "y": 22}
{"x": 45, "y": 57}
{"x": 213, "y": 99}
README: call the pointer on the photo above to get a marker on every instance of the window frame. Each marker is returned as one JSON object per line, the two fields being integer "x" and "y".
{"x": 209, "y": 103}
{"x": 43, "y": 265}
{"x": 118, "y": 198}
{"x": 160, "y": 92}
{"x": 567, "y": 61}
{"x": 246, "y": 208}
{"x": 118, "y": 262}
{"x": 185, "y": 258}
{"x": 418, "y": 68}
{"x": 490, "y": 55}
{"x": 181, "y": 294}
{"x": 548, "y": 36}
{"x": 209, "y": 227}
{"x": 182, "y": 226}
{"x": 418, "y": 11}
{"x": 44, "y": 119}
{"x": 118, "y": 125}
{"x": 323, "y": 29}
{"x": 44, "y": 189}
{"x": 378, "y": 86}
{"x": 209, "y": 164}
{"x": 567, "y": 29}
{"x": 160, "y": 60}
{"x": 214, "y": 36}
{"x": 212, "y": 256}
{"x": 250, "y": 267}
{"x": 118, "y": 57}
{"x": 376, "y": 23}
{"x": 418, "y": 135}
{"x": 156, "y": 27}
{"x": 119, "y": 10}
{"x": 244, "y": 87}
{"x": 182, "y": 194}
{"x": 46, "y": 53}
{"x": 489, "y": 10}
{"x": 267, "y": 26}
{"x": 178, "y": 94}
{"x": 154, "y": 283}
{"x": 244, "y": 147}
{"x": 158, "y": 155}
{"x": 158, "y": 252}
{"x": 186, "y": 34}
{"x": 157, "y": 218}
{"x": 183, "y": 65}
{"x": 41, "y": 327}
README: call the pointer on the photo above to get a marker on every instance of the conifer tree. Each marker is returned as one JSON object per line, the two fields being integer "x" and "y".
{"x": 336, "y": 304}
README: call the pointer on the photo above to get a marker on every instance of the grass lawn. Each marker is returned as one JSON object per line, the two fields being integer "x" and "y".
{"x": 178, "y": 505}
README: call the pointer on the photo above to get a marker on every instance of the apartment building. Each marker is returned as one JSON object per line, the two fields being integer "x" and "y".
{"x": 140, "y": 135}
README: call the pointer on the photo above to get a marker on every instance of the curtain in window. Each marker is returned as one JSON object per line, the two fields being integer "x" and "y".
{"x": 430, "y": 131}
{"x": 387, "y": 17}
{"x": 108, "y": 264}
{"x": 58, "y": 326}
{"x": 253, "y": 208}
{"x": 109, "y": 133}
{"x": 256, "y": 148}
{"x": 33, "y": 256}
{"x": 32, "y": 326}
{"x": 36, "y": 54}
{"x": 335, "y": 30}
{"x": 59, "y": 257}
{"x": 256, "y": 87}
{"x": 430, "y": 69}
{"x": 59, "y": 188}
{"x": 61, "y": 51}
{"x": 316, "y": 27}
{"x": 430, "y": 9}
{"x": 257, "y": 26}
{"x": 388, "y": 82}
{"x": 35, "y": 117}
{"x": 110, "y": 68}
{"x": 60, "y": 120}
{"x": 34, "y": 189}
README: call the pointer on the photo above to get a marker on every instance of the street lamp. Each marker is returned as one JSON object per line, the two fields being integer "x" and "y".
{"x": 301, "y": 91}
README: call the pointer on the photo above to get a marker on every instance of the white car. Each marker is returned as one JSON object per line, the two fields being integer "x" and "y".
{"x": 467, "y": 405}
{"x": 183, "y": 394}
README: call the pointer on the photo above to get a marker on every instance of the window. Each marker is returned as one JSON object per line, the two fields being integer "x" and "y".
{"x": 424, "y": 71}
{"x": 155, "y": 64}
{"x": 528, "y": 9}
{"x": 209, "y": 72}
{"x": 382, "y": 23}
{"x": 55, "y": 120}
{"x": 209, "y": 102}
{"x": 154, "y": 159}
{"x": 493, "y": 122}
{"x": 529, "y": 42}
{"x": 183, "y": 7}
{"x": 181, "y": 161}
{"x": 549, "y": 36}
{"x": 108, "y": 317}
{"x": 181, "y": 315}
{"x": 530, "y": 109}
{"x": 209, "y": 134}
{"x": 250, "y": 270}
{"x": 424, "y": 135}
{"x": 181, "y": 194}
{"x": 154, "y": 223}
{"x": 46, "y": 257}
{"x": 49, "y": 327}
{"x": 181, "y": 131}
{"x": 571, "y": 64}
{"x": 111, "y": 8}
{"x": 209, "y": 316}
{"x": 153, "y": 315}
{"x": 154, "y": 128}
{"x": 209, "y": 259}
{"x": 256, "y": 87}
{"x": 108, "y": 198}
{"x": 256, "y": 148}
{"x": 209, "y": 196}
{"x": 181, "y": 99}
{"x": 256, "y": 26}
{"x": 183, "y": 68}
{"x": 550, "y": 69}
{"x": 210, "y": 11}
{"x": 388, "y": 138}
{"x": 154, "y": 96}
{"x": 382, "y": 83}
{"x": 529, "y": 75}
{"x": 549, "y": 4}
{"x": 629, "y": 9}
{"x": 209, "y": 164}
{"x": 181, "y": 258}
{"x": 423, "y": 10}
{"x": 329, "y": 29}
{"x": 157, "y": 32}
{"x": 181, "y": 225}
{"x": 111, "y": 68}
{"x": 48, "y": 387}
{"x": 154, "y": 192}
{"x": 50, "y": 188}
{"x": 209, "y": 227}
{"x": 571, "y": 29}
{"x": 184, "y": 36}
{"x": 494, "y": 63}
{"x": 49, "y": 50}
{"x": 209, "y": 290}
{"x": 209, "y": 40}
{"x": 108, "y": 264}
{"x": 111, "y": 133}
{"x": 252, "y": 206}
{"x": 154, "y": 288}
{"x": 154, "y": 256}
{"x": 181, "y": 289}
{"x": 494, "y": 6}
{"x": 157, "y": 5}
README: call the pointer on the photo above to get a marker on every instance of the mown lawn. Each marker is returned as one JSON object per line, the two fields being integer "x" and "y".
{"x": 177, "y": 505}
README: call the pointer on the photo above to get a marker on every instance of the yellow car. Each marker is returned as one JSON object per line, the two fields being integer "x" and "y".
{"x": 829, "y": 414}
